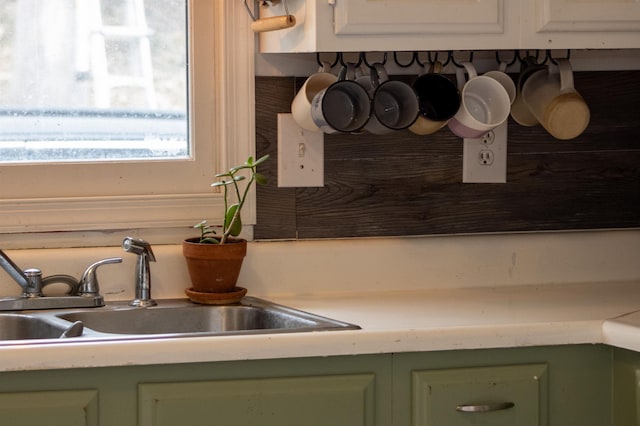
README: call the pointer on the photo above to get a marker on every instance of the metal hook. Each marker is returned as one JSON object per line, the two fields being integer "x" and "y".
{"x": 265, "y": 2}
{"x": 513, "y": 61}
{"x": 527, "y": 55}
{"x": 363, "y": 58}
{"x": 433, "y": 61}
{"x": 395, "y": 59}
{"x": 344, "y": 64}
{"x": 246, "y": 6}
{"x": 453, "y": 60}
{"x": 332, "y": 64}
{"x": 271, "y": 23}
{"x": 553, "y": 61}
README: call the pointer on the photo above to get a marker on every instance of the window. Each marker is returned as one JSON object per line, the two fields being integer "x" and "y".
{"x": 101, "y": 81}
{"x": 159, "y": 196}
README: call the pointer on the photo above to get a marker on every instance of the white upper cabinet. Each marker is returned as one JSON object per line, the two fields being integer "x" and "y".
{"x": 586, "y": 24}
{"x": 420, "y": 25}
{"x": 411, "y": 17}
{"x": 392, "y": 25}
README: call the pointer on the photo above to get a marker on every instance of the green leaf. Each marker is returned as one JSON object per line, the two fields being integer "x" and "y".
{"x": 260, "y": 179}
{"x": 221, "y": 183}
{"x": 236, "y": 227}
{"x": 261, "y": 160}
{"x": 210, "y": 240}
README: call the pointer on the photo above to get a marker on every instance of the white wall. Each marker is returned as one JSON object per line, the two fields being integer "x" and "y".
{"x": 374, "y": 264}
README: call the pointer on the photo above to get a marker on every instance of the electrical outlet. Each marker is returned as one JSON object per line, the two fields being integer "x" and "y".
{"x": 300, "y": 155}
{"x": 485, "y": 159}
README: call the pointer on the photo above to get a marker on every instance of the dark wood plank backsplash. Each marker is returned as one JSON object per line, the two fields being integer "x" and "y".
{"x": 403, "y": 184}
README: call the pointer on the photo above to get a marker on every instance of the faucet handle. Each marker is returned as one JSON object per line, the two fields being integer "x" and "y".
{"x": 89, "y": 281}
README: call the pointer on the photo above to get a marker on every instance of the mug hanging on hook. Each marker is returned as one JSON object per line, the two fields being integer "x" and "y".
{"x": 260, "y": 25}
{"x": 331, "y": 64}
{"x": 453, "y": 60}
{"x": 550, "y": 57}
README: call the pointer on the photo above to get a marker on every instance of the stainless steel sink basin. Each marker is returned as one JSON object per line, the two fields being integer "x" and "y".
{"x": 21, "y": 327}
{"x": 181, "y": 317}
{"x": 171, "y": 318}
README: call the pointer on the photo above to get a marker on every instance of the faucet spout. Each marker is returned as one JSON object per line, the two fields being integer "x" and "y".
{"x": 14, "y": 271}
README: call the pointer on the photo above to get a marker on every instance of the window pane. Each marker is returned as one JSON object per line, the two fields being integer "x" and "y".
{"x": 84, "y": 80}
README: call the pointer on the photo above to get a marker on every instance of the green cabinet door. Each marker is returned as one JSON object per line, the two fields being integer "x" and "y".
{"x": 626, "y": 389}
{"x": 50, "y": 408}
{"x": 495, "y": 396}
{"x": 310, "y": 401}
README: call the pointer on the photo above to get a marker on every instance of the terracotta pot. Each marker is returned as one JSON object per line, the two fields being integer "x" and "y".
{"x": 214, "y": 268}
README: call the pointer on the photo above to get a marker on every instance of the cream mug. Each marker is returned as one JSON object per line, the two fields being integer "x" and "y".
{"x": 552, "y": 98}
{"x": 485, "y": 104}
{"x": 519, "y": 111}
{"x": 301, "y": 105}
{"x": 501, "y": 76}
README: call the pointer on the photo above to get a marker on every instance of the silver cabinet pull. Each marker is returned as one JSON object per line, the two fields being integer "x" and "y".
{"x": 484, "y": 408}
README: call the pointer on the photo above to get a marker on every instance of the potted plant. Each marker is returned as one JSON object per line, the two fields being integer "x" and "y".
{"x": 214, "y": 260}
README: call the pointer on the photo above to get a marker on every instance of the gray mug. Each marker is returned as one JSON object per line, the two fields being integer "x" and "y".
{"x": 344, "y": 106}
{"x": 394, "y": 106}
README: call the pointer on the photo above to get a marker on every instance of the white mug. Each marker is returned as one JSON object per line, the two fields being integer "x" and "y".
{"x": 301, "y": 105}
{"x": 552, "y": 98}
{"x": 485, "y": 104}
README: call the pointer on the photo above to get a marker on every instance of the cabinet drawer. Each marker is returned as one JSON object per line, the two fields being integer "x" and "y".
{"x": 497, "y": 396}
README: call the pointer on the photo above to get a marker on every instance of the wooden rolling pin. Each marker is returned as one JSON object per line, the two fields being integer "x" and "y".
{"x": 272, "y": 24}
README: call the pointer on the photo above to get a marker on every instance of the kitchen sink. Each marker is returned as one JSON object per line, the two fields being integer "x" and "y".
{"x": 170, "y": 318}
{"x": 21, "y": 327}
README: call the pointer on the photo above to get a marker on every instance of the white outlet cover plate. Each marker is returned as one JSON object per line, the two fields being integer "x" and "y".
{"x": 473, "y": 171}
{"x": 300, "y": 155}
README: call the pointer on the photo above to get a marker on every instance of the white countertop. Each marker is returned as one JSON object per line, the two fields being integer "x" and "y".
{"x": 403, "y": 321}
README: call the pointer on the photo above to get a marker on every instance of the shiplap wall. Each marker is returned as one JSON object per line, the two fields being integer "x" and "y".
{"x": 403, "y": 184}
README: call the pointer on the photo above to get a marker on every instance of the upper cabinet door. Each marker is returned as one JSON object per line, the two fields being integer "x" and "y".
{"x": 394, "y": 25}
{"x": 395, "y": 17}
{"x": 420, "y": 25}
{"x": 583, "y": 23}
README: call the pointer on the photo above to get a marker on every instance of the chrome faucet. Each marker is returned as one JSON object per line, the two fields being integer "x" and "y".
{"x": 82, "y": 293}
{"x": 143, "y": 271}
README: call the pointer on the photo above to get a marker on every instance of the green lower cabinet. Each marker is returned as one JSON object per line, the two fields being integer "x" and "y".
{"x": 581, "y": 385}
{"x": 548, "y": 386}
{"x": 495, "y": 396}
{"x": 50, "y": 408}
{"x": 332, "y": 391}
{"x": 312, "y": 401}
{"x": 626, "y": 390}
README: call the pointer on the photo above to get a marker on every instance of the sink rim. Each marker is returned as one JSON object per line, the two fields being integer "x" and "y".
{"x": 54, "y": 317}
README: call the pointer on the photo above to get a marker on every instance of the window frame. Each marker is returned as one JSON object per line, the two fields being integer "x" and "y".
{"x": 144, "y": 198}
